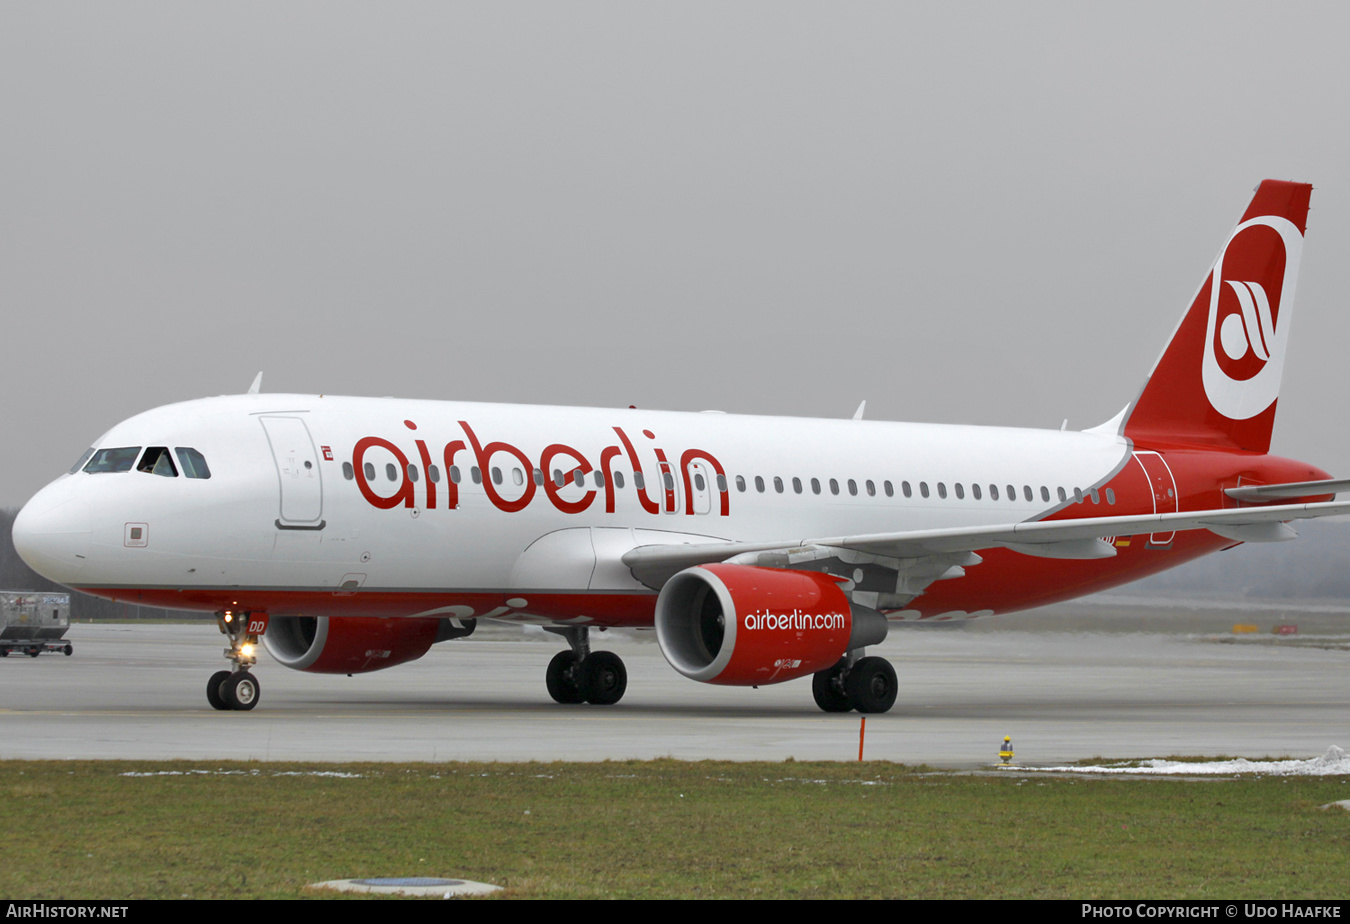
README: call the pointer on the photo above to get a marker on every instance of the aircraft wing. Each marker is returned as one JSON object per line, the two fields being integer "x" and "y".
{"x": 952, "y": 547}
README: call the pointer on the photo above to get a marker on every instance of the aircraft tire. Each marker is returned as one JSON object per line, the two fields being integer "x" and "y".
{"x": 871, "y": 685}
{"x": 68, "y": 650}
{"x": 213, "y": 690}
{"x": 603, "y": 678}
{"x": 561, "y": 679}
{"x": 241, "y": 691}
{"x": 827, "y": 694}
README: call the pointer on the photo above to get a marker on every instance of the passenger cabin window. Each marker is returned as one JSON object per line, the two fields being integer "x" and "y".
{"x": 193, "y": 463}
{"x": 391, "y": 471}
{"x": 158, "y": 461}
{"x": 369, "y": 469}
{"x": 347, "y": 471}
{"x": 740, "y": 483}
{"x": 815, "y": 485}
{"x": 618, "y": 479}
{"x": 113, "y": 460}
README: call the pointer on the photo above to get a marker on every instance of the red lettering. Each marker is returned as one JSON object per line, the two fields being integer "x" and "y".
{"x": 606, "y": 457}
{"x": 405, "y": 491}
{"x": 451, "y": 488}
{"x": 484, "y": 456}
{"x": 647, "y": 503}
{"x": 551, "y": 487}
{"x": 723, "y": 488}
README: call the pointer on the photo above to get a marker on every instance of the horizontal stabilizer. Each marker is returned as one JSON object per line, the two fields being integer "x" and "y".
{"x": 1291, "y": 489}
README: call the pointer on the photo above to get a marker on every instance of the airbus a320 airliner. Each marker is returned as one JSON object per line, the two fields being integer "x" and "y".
{"x": 351, "y": 534}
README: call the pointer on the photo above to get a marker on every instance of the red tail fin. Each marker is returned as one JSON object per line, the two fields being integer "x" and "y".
{"x": 1218, "y": 379}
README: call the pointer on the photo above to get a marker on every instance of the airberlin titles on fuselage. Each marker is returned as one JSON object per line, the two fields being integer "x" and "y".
{"x": 573, "y": 466}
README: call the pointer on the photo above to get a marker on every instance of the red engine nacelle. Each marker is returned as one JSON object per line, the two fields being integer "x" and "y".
{"x": 743, "y": 626}
{"x": 347, "y": 645}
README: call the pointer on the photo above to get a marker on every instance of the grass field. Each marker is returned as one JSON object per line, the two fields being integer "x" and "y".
{"x": 662, "y": 829}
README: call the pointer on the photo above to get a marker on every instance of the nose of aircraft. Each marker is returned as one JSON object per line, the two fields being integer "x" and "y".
{"x": 52, "y": 533}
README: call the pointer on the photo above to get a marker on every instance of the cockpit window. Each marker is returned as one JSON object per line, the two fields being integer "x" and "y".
{"x": 193, "y": 463}
{"x": 157, "y": 461}
{"x": 83, "y": 459}
{"x": 113, "y": 460}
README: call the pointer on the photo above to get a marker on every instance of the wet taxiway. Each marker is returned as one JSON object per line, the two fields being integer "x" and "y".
{"x": 137, "y": 692}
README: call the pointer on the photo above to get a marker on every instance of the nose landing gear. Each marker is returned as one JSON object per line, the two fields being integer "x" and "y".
{"x": 238, "y": 689}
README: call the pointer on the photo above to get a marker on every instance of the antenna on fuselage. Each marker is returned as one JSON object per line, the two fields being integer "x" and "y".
{"x": 257, "y": 384}
{"x": 857, "y": 415}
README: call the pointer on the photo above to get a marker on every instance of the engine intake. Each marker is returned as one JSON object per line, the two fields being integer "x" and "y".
{"x": 742, "y": 625}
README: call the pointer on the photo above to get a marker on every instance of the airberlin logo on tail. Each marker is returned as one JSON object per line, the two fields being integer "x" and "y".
{"x": 1254, "y": 329}
{"x": 1251, "y": 298}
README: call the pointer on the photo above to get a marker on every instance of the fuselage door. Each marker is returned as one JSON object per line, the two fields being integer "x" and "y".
{"x": 298, "y": 471}
{"x": 1164, "y": 488}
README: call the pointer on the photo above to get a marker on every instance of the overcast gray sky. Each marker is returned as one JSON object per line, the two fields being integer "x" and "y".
{"x": 980, "y": 213}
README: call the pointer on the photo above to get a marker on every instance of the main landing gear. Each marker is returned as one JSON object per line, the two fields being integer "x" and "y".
{"x": 865, "y": 684}
{"x": 237, "y": 689}
{"x": 580, "y": 675}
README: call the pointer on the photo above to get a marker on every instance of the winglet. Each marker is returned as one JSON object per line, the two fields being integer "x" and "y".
{"x": 257, "y": 384}
{"x": 857, "y": 415}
